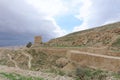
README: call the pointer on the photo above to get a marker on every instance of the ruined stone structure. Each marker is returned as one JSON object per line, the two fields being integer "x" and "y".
{"x": 96, "y": 61}
{"x": 37, "y": 40}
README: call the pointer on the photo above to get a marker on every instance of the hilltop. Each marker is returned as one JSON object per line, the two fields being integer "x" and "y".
{"x": 106, "y": 35}
{"x": 92, "y": 54}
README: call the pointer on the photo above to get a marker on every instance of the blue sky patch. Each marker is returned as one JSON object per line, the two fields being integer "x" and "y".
{"x": 68, "y": 22}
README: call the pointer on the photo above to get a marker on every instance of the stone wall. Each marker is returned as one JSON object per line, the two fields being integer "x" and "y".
{"x": 37, "y": 40}
{"x": 93, "y": 59}
{"x": 96, "y": 61}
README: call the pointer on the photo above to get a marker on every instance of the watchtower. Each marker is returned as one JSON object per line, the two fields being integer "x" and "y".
{"x": 37, "y": 40}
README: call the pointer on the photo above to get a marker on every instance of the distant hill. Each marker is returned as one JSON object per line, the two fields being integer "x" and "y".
{"x": 106, "y": 35}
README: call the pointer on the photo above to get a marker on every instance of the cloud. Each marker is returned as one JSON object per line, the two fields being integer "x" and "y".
{"x": 54, "y": 8}
{"x": 98, "y": 12}
{"x": 49, "y": 7}
{"x": 20, "y": 21}
{"x": 27, "y": 18}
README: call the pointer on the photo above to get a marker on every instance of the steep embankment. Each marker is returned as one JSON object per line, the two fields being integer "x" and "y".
{"x": 28, "y": 58}
{"x": 107, "y": 35}
{"x": 34, "y": 62}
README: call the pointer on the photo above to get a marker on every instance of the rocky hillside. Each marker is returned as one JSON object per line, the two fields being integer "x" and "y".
{"x": 38, "y": 62}
{"x": 47, "y": 64}
{"x": 107, "y": 35}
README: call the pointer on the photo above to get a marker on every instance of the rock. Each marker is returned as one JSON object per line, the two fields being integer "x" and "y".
{"x": 61, "y": 62}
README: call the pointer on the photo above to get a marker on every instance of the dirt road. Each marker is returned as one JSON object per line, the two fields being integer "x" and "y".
{"x": 92, "y": 54}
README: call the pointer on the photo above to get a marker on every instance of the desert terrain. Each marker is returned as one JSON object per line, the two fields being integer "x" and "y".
{"x": 92, "y": 54}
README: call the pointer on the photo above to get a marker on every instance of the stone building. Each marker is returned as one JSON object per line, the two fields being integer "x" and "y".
{"x": 37, "y": 40}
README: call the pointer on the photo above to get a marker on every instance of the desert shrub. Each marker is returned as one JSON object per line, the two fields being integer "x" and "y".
{"x": 80, "y": 74}
{"x": 3, "y": 62}
{"x": 90, "y": 74}
{"x": 116, "y": 75}
{"x": 61, "y": 62}
{"x": 40, "y": 59}
{"x": 29, "y": 45}
{"x": 116, "y": 43}
{"x": 32, "y": 52}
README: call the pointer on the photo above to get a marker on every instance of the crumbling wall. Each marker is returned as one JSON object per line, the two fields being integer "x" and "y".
{"x": 96, "y": 61}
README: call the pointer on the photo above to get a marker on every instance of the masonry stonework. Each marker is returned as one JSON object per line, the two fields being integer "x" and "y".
{"x": 97, "y": 61}
{"x": 37, "y": 40}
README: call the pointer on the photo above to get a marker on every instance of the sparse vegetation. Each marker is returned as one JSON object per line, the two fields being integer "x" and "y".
{"x": 39, "y": 59}
{"x": 90, "y": 74}
{"x": 116, "y": 43}
{"x": 3, "y": 62}
{"x": 100, "y": 36}
{"x": 13, "y": 76}
{"x": 42, "y": 60}
{"x": 116, "y": 75}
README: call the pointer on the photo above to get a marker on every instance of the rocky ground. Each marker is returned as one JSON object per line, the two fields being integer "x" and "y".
{"x": 48, "y": 65}
{"x": 45, "y": 76}
{"x": 107, "y": 35}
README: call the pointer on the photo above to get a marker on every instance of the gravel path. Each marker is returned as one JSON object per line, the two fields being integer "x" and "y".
{"x": 92, "y": 54}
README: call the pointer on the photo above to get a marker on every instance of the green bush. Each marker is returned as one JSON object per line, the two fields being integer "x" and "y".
{"x": 80, "y": 73}
{"x": 29, "y": 45}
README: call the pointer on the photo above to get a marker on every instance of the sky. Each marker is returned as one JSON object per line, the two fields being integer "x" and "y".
{"x": 21, "y": 20}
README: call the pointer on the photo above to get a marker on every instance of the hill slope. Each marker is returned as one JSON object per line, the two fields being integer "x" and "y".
{"x": 107, "y": 35}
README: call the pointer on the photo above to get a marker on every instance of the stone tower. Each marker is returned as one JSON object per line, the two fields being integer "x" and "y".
{"x": 37, "y": 40}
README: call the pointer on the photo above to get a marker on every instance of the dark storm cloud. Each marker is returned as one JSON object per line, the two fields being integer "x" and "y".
{"x": 21, "y": 22}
